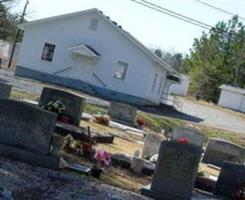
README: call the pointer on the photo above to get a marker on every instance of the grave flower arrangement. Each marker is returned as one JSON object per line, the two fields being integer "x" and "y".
{"x": 103, "y": 160}
{"x": 102, "y": 119}
{"x": 56, "y": 106}
{"x": 140, "y": 122}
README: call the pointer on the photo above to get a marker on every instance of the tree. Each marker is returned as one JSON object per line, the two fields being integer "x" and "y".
{"x": 217, "y": 58}
{"x": 8, "y": 21}
{"x": 173, "y": 59}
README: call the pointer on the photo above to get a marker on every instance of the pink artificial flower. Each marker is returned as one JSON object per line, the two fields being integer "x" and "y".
{"x": 103, "y": 157}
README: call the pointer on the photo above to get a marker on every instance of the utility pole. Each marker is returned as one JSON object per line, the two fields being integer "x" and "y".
{"x": 17, "y": 35}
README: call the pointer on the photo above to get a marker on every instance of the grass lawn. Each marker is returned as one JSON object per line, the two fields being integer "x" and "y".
{"x": 156, "y": 123}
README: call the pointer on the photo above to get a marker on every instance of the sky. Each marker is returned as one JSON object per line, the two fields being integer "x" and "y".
{"x": 153, "y": 29}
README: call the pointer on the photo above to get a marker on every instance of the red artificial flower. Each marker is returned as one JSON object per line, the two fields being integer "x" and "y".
{"x": 183, "y": 140}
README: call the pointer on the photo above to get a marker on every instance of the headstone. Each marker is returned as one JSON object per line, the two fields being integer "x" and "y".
{"x": 73, "y": 103}
{"x": 26, "y": 133}
{"x": 152, "y": 144}
{"x": 219, "y": 150}
{"x": 194, "y": 136}
{"x": 5, "y": 90}
{"x": 137, "y": 163}
{"x": 123, "y": 113}
{"x": 175, "y": 172}
{"x": 231, "y": 178}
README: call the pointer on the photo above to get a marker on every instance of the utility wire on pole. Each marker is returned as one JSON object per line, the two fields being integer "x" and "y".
{"x": 179, "y": 16}
{"x": 219, "y": 9}
{"x": 17, "y": 35}
{"x": 172, "y": 14}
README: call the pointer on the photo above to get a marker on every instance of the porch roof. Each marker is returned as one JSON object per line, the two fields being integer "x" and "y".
{"x": 84, "y": 50}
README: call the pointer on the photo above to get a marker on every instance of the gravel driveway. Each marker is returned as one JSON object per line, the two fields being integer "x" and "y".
{"x": 215, "y": 116}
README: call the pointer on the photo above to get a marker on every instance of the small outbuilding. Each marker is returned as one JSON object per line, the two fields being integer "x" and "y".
{"x": 232, "y": 97}
{"x": 180, "y": 88}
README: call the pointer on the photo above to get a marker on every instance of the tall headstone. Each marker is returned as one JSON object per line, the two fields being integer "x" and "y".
{"x": 152, "y": 144}
{"x": 220, "y": 150}
{"x": 5, "y": 90}
{"x": 73, "y": 103}
{"x": 123, "y": 113}
{"x": 26, "y": 133}
{"x": 231, "y": 179}
{"x": 194, "y": 136}
{"x": 175, "y": 172}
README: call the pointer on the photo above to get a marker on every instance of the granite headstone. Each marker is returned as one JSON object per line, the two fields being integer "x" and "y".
{"x": 123, "y": 113}
{"x": 231, "y": 179}
{"x": 5, "y": 90}
{"x": 220, "y": 150}
{"x": 26, "y": 132}
{"x": 73, "y": 103}
{"x": 175, "y": 172}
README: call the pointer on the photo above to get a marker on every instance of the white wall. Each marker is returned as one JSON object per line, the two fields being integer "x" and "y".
{"x": 242, "y": 107}
{"x": 5, "y": 51}
{"x": 230, "y": 99}
{"x": 180, "y": 89}
{"x": 106, "y": 40}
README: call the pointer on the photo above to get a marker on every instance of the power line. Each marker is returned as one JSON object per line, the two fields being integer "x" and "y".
{"x": 219, "y": 9}
{"x": 178, "y": 14}
{"x": 172, "y": 14}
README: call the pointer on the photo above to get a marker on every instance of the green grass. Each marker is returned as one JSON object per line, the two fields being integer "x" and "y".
{"x": 227, "y": 135}
{"x": 94, "y": 109}
{"x": 157, "y": 123}
{"x": 19, "y": 95}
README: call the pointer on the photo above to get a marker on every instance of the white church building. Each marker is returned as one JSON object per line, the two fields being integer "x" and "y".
{"x": 89, "y": 52}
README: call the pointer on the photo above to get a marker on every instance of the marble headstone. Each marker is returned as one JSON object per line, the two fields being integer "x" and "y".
{"x": 73, "y": 103}
{"x": 194, "y": 136}
{"x": 152, "y": 144}
{"x": 220, "y": 150}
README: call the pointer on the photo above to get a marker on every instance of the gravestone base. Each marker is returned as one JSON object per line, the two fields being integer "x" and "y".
{"x": 146, "y": 191}
{"x": 17, "y": 154}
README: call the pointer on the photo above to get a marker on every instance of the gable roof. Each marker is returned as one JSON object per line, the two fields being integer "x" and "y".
{"x": 118, "y": 28}
{"x": 232, "y": 89}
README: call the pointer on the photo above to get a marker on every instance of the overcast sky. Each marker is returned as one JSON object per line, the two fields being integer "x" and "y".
{"x": 153, "y": 29}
